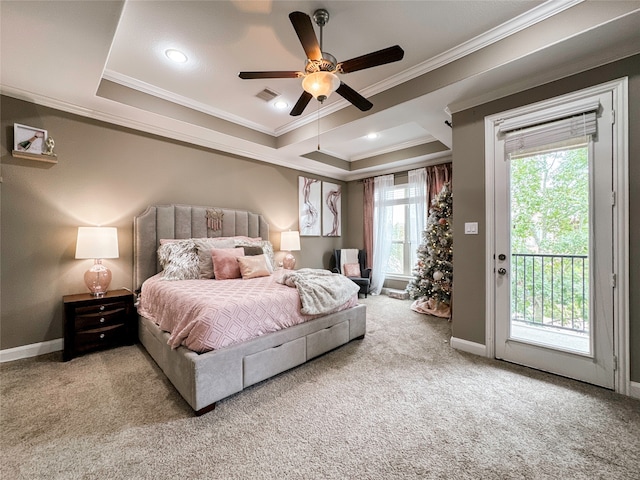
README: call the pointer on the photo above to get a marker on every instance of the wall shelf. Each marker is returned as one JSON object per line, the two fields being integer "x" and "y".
{"x": 34, "y": 156}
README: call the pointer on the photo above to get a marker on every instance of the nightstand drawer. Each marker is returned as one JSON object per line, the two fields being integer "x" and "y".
{"x": 98, "y": 337}
{"x": 96, "y": 316}
{"x": 95, "y": 323}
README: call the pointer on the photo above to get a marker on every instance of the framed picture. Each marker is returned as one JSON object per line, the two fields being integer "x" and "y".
{"x": 331, "y": 209}
{"x": 29, "y": 139}
{"x": 309, "y": 206}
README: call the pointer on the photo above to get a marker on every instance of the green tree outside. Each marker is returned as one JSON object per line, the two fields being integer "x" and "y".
{"x": 549, "y": 218}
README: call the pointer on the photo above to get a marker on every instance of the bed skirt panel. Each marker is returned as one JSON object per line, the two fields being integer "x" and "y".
{"x": 203, "y": 379}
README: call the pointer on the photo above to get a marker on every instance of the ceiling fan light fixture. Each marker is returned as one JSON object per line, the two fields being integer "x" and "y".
{"x": 319, "y": 76}
{"x": 320, "y": 84}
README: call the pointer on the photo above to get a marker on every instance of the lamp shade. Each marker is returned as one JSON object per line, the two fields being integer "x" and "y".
{"x": 321, "y": 84}
{"x": 290, "y": 241}
{"x": 97, "y": 242}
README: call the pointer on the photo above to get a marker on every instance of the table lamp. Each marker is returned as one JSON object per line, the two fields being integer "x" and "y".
{"x": 289, "y": 241}
{"x": 97, "y": 243}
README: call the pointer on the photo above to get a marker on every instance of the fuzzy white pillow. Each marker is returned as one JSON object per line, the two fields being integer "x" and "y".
{"x": 179, "y": 260}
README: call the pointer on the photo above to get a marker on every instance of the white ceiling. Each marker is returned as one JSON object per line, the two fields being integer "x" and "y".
{"x": 107, "y": 60}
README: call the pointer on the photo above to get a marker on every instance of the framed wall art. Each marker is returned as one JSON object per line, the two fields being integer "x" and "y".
{"x": 331, "y": 209}
{"x": 29, "y": 139}
{"x": 309, "y": 206}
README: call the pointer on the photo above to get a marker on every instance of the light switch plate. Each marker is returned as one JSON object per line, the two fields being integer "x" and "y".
{"x": 471, "y": 228}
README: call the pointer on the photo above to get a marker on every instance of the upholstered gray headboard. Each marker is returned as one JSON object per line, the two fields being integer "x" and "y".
{"x": 185, "y": 221}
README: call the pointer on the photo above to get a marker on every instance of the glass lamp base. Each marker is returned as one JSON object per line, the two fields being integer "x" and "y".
{"x": 289, "y": 261}
{"x": 97, "y": 279}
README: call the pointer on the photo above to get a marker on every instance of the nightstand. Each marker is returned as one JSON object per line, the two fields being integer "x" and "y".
{"x": 94, "y": 323}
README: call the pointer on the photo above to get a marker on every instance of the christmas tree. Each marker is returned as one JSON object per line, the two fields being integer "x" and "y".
{"x": 433, "y": 274}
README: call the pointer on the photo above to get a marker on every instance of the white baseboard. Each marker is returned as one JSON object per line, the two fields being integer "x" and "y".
{"x": 634, "y": 389}
{"x": 469, "y": 347}
{"x": 33, "y": 350}
{"x": 481, "y": 350}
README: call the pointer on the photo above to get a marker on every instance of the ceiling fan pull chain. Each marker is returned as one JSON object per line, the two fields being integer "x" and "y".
{"x": 318, "y": 126}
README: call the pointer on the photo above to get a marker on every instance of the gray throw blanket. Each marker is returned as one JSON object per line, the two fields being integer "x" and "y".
{"x": 321, "y": 291}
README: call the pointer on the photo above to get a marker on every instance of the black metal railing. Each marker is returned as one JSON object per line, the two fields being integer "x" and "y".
{"x": 551, "y": 290}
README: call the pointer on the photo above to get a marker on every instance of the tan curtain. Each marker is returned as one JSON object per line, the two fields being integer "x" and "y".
{"x": 368, "y": 218}
{"x": 437, "y": 176}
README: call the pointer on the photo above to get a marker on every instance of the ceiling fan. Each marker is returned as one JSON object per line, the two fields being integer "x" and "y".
{"x": 319, "y": 78}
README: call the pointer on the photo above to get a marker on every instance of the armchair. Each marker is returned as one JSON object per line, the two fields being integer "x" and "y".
{"x": 363, "y": 279}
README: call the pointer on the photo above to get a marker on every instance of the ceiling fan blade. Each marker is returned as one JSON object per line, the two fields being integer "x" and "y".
{"x": 386, "y": 55}
{"x": 354, "y": 97}
{"x": 304, "y": 28}
{"x": 301, "y": 104}
{"x": 279, "y": 74}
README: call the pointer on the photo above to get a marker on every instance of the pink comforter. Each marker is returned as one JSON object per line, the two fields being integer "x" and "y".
{"x": 205, "y": 315}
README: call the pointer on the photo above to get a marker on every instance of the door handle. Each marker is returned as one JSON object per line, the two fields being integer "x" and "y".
{"x": 502, "y": 271}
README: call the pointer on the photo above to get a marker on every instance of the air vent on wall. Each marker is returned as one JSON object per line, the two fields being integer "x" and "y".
{"x": 267, "y": 95}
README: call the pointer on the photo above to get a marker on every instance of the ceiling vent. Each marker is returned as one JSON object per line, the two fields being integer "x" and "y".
{"x": 267, "y": 95}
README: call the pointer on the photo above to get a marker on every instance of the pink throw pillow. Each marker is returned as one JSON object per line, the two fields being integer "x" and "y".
{"x": 352, "y": 269}
{"x": 225, "y": 262}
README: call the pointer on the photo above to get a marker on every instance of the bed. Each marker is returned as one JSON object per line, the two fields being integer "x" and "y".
{"x": 205, "y": 378}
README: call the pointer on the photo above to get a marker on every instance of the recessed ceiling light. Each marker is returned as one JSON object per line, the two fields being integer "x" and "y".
{"x": 281, "y": 104}
{"x": 372, "y": 136}
{"x": 176, "y": 55}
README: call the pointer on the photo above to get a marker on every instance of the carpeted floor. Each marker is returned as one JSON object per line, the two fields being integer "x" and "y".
{"x": 400, "y": 404}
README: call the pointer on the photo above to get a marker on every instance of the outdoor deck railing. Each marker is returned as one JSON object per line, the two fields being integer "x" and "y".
{"x": 551, "y": 290}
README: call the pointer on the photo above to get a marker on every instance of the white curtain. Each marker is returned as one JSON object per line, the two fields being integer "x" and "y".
{"x": 382, "y": 230}
{"x": 418, "y": 206}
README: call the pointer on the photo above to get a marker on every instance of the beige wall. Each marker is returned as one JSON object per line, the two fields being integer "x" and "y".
{"x": 469, "y": 196}
{"x": 105, "y": 176}
{"x": 355, "y": 196}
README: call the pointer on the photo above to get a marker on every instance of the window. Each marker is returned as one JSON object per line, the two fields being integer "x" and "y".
{"x": 403, "y": 251}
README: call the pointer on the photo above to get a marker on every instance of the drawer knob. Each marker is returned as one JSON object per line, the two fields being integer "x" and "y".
{"x": 102, "y": 335}
{"x": 101, "y": 307}
{"x": 101, "y": 319}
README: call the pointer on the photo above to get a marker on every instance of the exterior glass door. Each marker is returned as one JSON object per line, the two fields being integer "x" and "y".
{"x": 554, "y": 256}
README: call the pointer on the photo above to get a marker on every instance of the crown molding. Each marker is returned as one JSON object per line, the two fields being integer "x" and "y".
{"x": 513, "y": 26}
{"x": 294, "y": 163}
{"x": 148, "y": 127}
{"x": 150, "y": 89}
{"x": 543, "y": 78}
{"x": 402, "y": 166}
{"x": 395, "y": 147}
